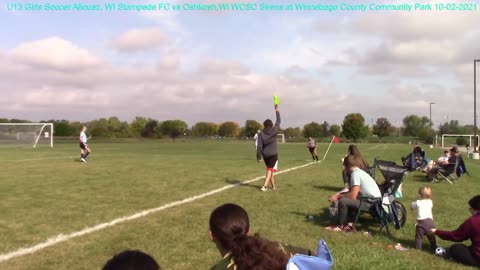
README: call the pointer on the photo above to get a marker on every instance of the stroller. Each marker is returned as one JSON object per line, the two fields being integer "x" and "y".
{"x": 386, "y": 209}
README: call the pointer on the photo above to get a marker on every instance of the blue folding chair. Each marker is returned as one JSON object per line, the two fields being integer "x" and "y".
{"x": 323, "y": 260}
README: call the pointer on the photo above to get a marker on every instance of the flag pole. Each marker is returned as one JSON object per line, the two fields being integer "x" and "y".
{"x": 328, "y": 148}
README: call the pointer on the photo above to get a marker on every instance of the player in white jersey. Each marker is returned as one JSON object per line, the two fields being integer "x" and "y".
{"x": 84, "y": 149}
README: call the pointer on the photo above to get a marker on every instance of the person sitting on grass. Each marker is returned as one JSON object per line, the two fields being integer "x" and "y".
{"x": 470, "y": 229}
{"x": 230, "y": 231}
{"x": 131, "y": 260}
{"x": 362, "y": 185}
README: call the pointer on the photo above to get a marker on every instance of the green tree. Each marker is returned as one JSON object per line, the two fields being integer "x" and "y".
{"x": 251, "y": 127}
{"x": 382, "y": 127}
{"x": 99, "y": 128}
{"x": 452, "y": 127}
{"x": 137, "y": 125}
{"x": 117, "y": 128}
{"x": 228, "y": 129}
{"x": 354, "y": 126}
{"x": 335, "y": 130}
{"x": 313, "y": 130}
{"x": 172, "y": 128}
{"x": 62, "y": 128}
{"x": 325, "y": 129}
{"x": 149, "y": 130}
{"x": 292, "y": 132}
{"x": 204, "y": 129}
{"x": 416, "y": 126}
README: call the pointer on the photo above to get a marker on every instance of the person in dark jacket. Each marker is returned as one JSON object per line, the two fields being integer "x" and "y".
{"x": 470, "y": 229}
{"x": 267, "y": 148}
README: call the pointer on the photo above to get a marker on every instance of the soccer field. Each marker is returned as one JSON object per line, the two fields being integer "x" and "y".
{"x": 48, "y": 192}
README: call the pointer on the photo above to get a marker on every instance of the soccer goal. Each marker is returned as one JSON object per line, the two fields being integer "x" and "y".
{"x": 458, "y": 135}
{"x": 27, "y": 134}
{"x": 281, "y": 138}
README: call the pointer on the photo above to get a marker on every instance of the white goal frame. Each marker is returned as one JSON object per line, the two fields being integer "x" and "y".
{"x": 459, "y": 135}
{"x": 40, "y": 133}
{"x": 282, "y": 137}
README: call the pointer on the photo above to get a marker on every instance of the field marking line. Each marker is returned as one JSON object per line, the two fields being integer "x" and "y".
{"x": 53, "y": 158}
{"x": 62, "y": 237}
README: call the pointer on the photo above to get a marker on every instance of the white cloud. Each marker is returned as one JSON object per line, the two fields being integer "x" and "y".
{"x": 54, "y": 53}
{"x": 140, "y": 40}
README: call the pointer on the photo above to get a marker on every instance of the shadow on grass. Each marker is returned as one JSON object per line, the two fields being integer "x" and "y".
{"x": 239, "y": 183}
{"x": 322, "y": 218}
{"x": 328, "y": 188}
{"x": 420, "y": 178}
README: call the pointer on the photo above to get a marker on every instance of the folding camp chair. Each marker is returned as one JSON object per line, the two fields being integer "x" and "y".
{"x": 416, "y": 160}
{"x": 450, "y": 172}
{"x": 386, "y": 209}
{"x": 323, "y": 260}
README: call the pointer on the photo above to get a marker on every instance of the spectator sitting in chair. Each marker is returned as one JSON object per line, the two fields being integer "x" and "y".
{"x": 442, "y": 162}
{"x": 416, "y": 159}
{"x": 362, "y": 184}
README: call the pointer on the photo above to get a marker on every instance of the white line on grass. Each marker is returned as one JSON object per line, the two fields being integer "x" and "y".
{"x": 62, "y": 237}
{"x": 52, "y": 158}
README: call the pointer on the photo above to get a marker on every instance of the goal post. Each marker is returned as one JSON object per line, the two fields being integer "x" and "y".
{"x": 281, "y": 138}
{"x": 32, "y": 134}
{"x": 458, "y": 135}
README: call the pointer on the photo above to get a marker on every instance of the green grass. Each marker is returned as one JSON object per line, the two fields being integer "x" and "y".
{"x": 46, "y": 192}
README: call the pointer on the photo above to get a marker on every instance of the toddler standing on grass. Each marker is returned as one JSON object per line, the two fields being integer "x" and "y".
{"x": 424, "y": 206}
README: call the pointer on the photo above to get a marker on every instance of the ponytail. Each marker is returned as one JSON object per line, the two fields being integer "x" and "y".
{"x": 256, "y": 253}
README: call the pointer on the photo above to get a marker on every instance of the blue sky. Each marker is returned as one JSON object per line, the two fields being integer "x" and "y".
{"x": 211, "y": 66}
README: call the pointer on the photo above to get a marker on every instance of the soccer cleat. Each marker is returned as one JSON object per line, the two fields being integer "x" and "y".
{"x": 83, "y": 160}
{"x": 275, "y": 187}
{"x": 263, "y": 188}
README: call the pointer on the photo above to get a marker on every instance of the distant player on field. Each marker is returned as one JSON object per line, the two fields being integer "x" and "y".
{"x": 312, "y": 147}
{"x": 255, "y": 137}
{"x": 267, "y": 148}
{"x": 84, "y": 149}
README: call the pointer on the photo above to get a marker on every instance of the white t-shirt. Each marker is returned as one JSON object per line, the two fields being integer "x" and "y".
{"x": 83, "y": 137}
{"x": 424, "y": 208}
{"x": 256, "y": 140}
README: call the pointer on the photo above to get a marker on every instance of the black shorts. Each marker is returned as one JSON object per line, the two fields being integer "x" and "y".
{"x": 271, "y": 162}
{"x": 311, "y": 149}
{"x": 83, "y": 146}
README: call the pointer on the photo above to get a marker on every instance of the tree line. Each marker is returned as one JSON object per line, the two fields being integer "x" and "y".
{"x": 352, "y": 128}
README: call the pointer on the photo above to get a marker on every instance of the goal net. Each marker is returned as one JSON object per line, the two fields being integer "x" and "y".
{"x": 26, "y": 134}
{"x": 451, "y": 139}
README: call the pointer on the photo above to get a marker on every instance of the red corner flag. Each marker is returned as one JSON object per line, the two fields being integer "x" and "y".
{"x": 336, "y": 139}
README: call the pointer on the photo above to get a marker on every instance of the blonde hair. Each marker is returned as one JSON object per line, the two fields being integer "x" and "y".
{"x": 425, "y": 192}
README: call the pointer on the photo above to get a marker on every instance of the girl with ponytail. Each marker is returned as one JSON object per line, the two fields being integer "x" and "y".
{"x": 229, "y": 230}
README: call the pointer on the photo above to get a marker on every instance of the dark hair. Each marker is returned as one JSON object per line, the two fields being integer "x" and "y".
{"x": 229, "y": 225}
{"x": 353, "y": 151}
{"x": 131, "y": 260}
{"x": 475, "y": 203}
{"x": 268, "y": 123}
{"x": 351, "y": 161}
